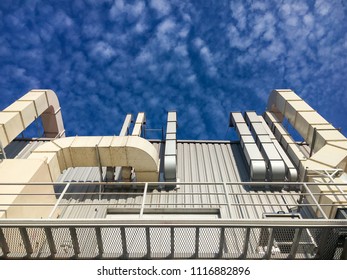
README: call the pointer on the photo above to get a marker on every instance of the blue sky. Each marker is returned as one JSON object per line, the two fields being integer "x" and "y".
{"x": 205, "y": 58}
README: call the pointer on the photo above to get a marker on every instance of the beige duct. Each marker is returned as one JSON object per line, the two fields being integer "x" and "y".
{"x": 130, "y": 151}
{"x": 329, "y": 146}
{"x": 47, "y": 162}
{"x": 20, "y": 114}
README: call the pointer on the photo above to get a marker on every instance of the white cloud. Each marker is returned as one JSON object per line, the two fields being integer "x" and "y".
{"x": 322, "y": 7}
{"x": 102, "y": 49}
{"x": 162, "y": 7}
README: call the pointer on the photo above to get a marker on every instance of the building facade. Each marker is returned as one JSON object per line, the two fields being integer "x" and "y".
{"x": 264, "y": 196}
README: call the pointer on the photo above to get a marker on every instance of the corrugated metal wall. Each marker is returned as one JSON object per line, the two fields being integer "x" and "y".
{"x": 196, "y": 162}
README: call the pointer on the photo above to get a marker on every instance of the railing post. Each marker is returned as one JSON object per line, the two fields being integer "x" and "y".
{"x": 148, "y": 243}
{"x": 221, "y": 242}
{"x": 124, "y": 243}
{"x": 26, "y": 241}
{"x": 197, "y": 233}
{"x": 99, "y": 241}
{"x": 50, "y": 241}
{"x": 245, "y": 244}
{"x": 4, "y": 245}
{"x": 59, "y": 200}
{"x": 74, "y": 240}
{"x": 270, "y": 243}
{"x": 344, "y": 251}
{"x": 172, "y": 235}
{"x": 295, "y": 245}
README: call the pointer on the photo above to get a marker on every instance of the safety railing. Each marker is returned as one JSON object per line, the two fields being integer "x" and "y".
{"x": 152, "y": 238}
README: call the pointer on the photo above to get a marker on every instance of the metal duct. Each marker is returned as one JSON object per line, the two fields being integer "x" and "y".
{"x": 275, "y": 164}
{"x": 133, "y": 151}
{"x": 125, "y": 172}
{"x": 284, "y": 138}
{"x": 140, "y": 121}
{"x": 170, "y": 160}
{"x": 20, "y": 114}
{"x": 253, "y": 156}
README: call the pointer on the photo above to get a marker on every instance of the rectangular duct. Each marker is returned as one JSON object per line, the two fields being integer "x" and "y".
{"x": 253, "y": 156}
{"x": 170, "y": 159}
{"x": 275, "y": 164}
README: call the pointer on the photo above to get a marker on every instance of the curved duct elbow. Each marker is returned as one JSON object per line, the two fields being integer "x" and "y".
{"x": 130, "y": 151}
{"x": 20, "y": 114}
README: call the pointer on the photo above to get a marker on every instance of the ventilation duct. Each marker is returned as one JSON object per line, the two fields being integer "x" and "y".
{"x": 129, "y": 151}
{"x": 20, "y": 114}
{"x": 276, "y": 168}
{"x": 170, "y": 148}
{"x": 253, "y": 156}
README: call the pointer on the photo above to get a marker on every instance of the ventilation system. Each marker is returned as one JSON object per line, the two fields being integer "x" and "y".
{"x": 170, "y": 159}
{"x": 254, "y": 158}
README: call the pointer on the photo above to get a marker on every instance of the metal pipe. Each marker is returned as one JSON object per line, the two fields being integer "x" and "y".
{"x": 230, "y": 223}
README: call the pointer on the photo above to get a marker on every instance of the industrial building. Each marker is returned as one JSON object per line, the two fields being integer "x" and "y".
{"x": 263, "y": 196}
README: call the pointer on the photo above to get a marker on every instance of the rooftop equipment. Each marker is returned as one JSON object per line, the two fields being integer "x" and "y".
{"x": 170, "y": 160}
{"x": 275, "y": 165}
{"x": 255, "y": 160}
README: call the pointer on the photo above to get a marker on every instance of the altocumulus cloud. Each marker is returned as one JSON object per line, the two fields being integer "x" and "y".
{"x": 203, "y": 59}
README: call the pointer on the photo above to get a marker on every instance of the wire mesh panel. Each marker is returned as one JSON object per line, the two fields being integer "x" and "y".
{"x": 256, "y": 244}
{"x": 160, "y": 243}
{"x": 63, "y": 242}
{"x": 114, "y": 244}
{"x": 184, "y": 242}
{"x": 307, "y": 247}
{"x": 39, "y": 243}
{"x": 87, "y": 243}
{"x": 136, "y": 242}
{"x": 15, "y": 243}
{"x": 209, "y": 243}
{"x": 233, "y": 243}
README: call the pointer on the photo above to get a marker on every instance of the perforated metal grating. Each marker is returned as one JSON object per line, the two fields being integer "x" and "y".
{"x": 173, "y": 242}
